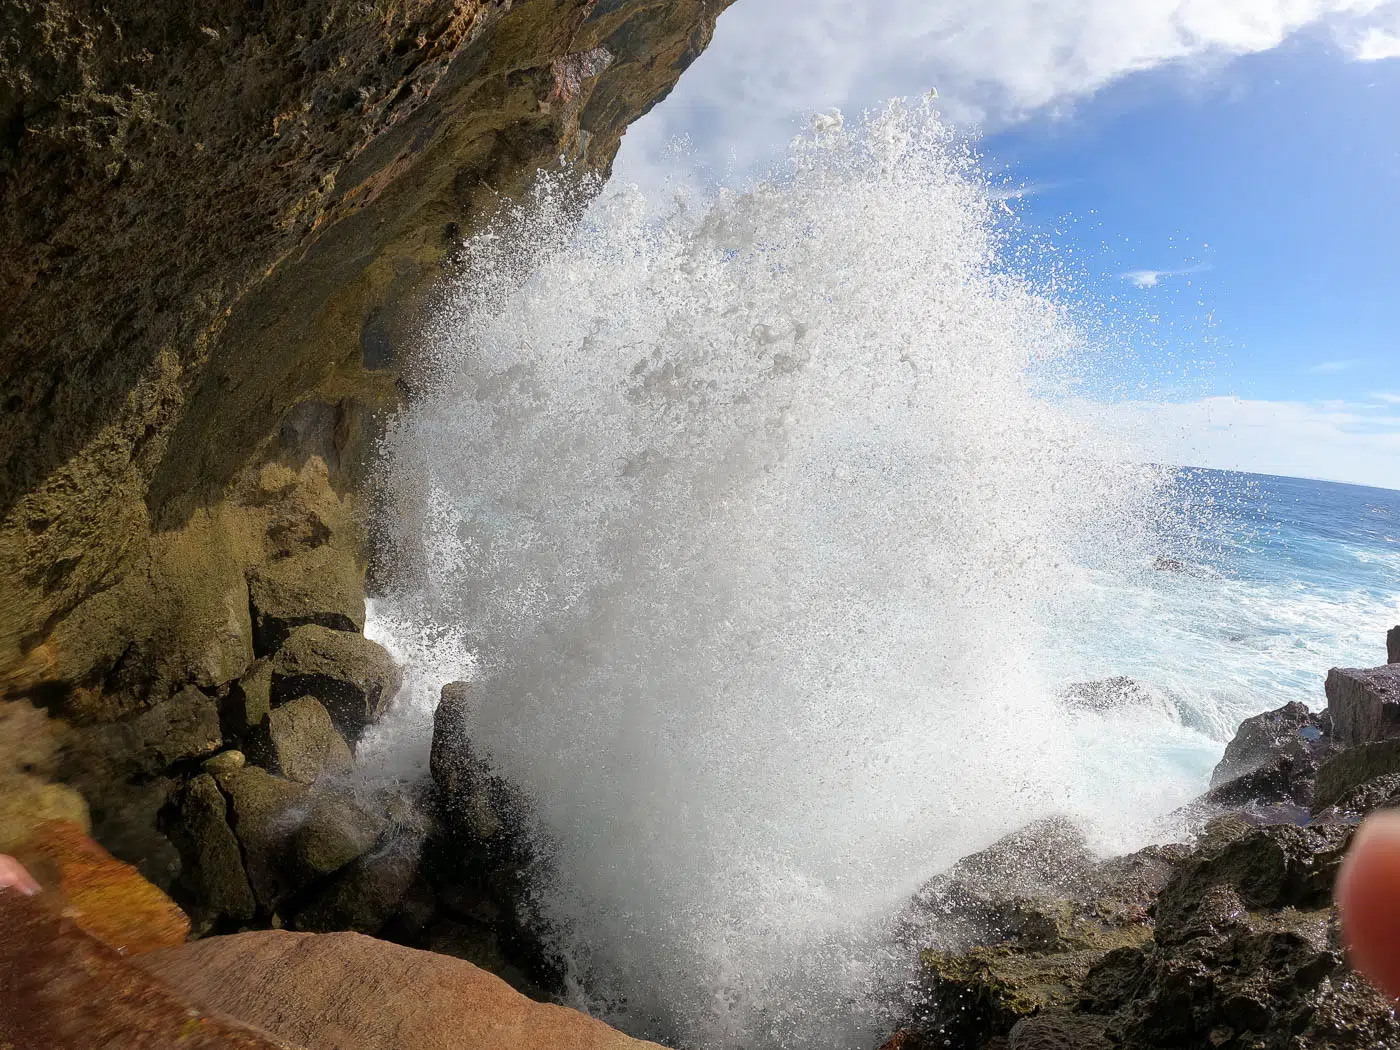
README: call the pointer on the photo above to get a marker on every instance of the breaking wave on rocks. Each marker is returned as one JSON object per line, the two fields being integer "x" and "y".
{"x": 762, "y": 515}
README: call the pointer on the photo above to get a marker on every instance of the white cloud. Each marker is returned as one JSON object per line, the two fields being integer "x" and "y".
{"x": 773, "y": 62}
{"x": 1357, "y": 443}
{"x": 1386, "y": 398}
{"x": 1152, "y": 278}
{"x": 1331, "y": 368}
{"x": 1376, "y": 44}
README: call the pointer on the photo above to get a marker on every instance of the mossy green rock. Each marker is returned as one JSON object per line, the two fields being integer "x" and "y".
{"x": 322, "y": 586}
{"x": 291, "y": 835}
{"x": 353, "y": 677}
{"x": 299, "y": 742}
{"x": 213, "y": 885}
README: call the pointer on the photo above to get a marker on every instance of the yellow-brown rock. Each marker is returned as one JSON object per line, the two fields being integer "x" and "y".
{"x": 345, "y": 991}
{"x": 218, "y": 227}
{"x": 62, "y": 989}
{"x": 106, "y": 898}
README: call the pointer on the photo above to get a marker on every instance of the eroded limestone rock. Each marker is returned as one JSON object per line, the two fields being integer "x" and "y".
{"x": 321, "y": 586}
{"x": 353, "y": 677}
{"x": 298, "y": 741}
{"x": 212, "y": 878}
{"x": 1364, "y": 703}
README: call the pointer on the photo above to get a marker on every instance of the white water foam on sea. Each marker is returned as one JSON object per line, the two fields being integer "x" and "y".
{"x": 770, "y": 532}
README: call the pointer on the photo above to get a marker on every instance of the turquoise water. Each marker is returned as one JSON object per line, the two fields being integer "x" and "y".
{"x": 1279, "y": 580}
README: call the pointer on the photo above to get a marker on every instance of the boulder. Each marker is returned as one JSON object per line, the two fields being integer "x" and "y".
{"x": 212, "y": 877}
{"x": 1353, "y": 767}
{"x": 249, "y": 699}
{"x": 321, "y": 586}
{"x": 978, "y": 900}
{"x": 1280, "y": 866}
{"x": 353, "y": 677}
{"x": 1288, "y": 739}
{"x": 63, "y": 989}
{"x": 463, "y": 779}
{"x": 366, "y": 895}
{"x": 345, "y": 991}
{"x": 1364, "y": 703}
{"x": 106, "y": 898}
{"x": 1392, "y": 646}
{"x": 182, "y": 728}
{"x": 299, "y": 742}
{"x": 225, "y": 762}
{"x": 291, "y": 835}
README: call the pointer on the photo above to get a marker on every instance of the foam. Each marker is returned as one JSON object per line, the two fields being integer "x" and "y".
{"x": 765, "y": 515}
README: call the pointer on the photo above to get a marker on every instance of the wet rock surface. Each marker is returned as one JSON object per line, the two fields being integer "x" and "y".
{"x": 322, "y": 587}
{"x": 212, "y": 878}
{"x": 1392, "y": 646}
{"x": 291, "y": 836}
{"x": 1364, "y": 703}
{"x": 299, "y": 742}
{"x": 1228, "y": 941}
{"x": 353, "y": 677}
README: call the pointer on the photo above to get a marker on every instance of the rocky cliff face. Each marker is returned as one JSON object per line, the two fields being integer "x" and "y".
{"x": 219, "y": 227}
{"x": 217, "y": 223}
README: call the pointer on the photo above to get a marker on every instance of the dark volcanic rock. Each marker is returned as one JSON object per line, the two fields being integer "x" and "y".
{"x": 1051, "y": 1031}
{"x": 1378, "y": 793}
{"x": 299, "y": 742}
{"x": 1364, "y": 703}
{"x": 321, "y": 586}
{"x": 1392, "y": 646}
{"x": 213, "y": 884}
{"x": 1242, "y": 955}
{"x": 1280, "y": 866}
{"x": 353, "y": 677}
{"x": 1354, "y": 767}
{"x": 1291, "y": 738}
{"x": 472, "y": 799}
{"x": 1018, "y": 927}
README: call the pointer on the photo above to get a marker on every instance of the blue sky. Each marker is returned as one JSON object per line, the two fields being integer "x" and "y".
{"x": 1224, "y": 173}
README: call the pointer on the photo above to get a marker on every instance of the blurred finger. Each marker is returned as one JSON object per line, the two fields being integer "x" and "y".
{"x": 1368, "y": 900}
{"x": 13, "y": 876}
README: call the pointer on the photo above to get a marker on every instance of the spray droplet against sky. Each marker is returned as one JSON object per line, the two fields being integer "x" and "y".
{"x": 769, "y": 516}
